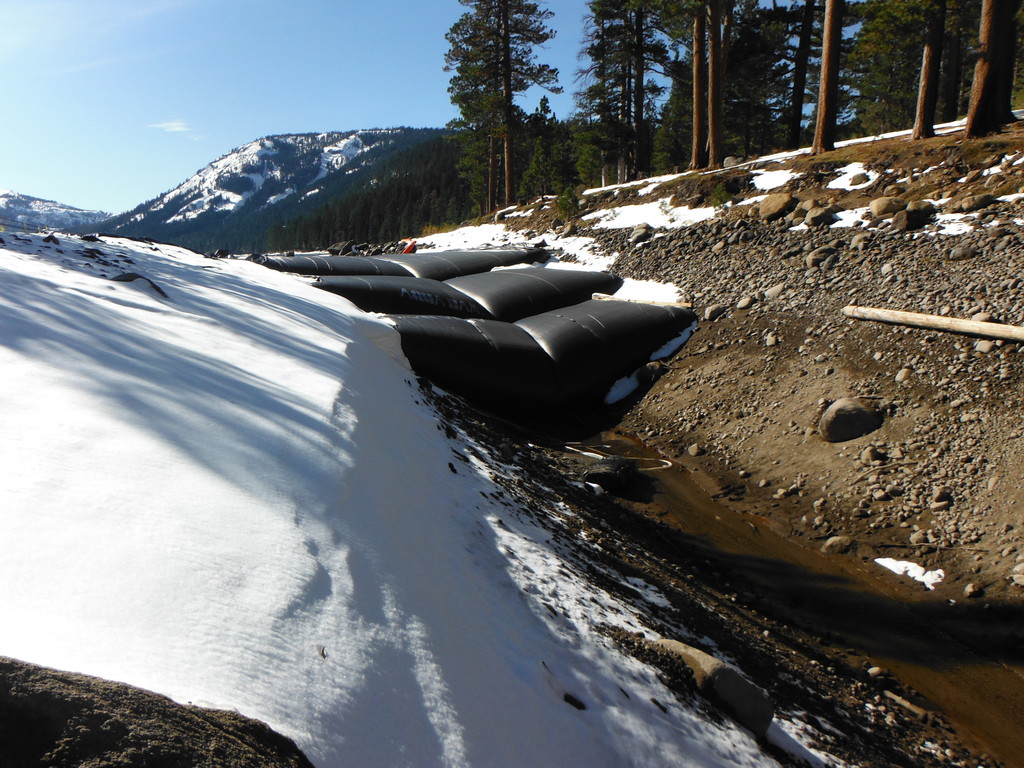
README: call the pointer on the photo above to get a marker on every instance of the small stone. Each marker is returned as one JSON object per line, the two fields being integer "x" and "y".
{"x": 695, "y": 450}
{"x": 746, "y": 302}
{"x": 984, "y": 346}
{"x": 771, "y": 340}
{"x": 715, "y": 311}
{"x": 775, "y": 291}
{"x": 886, "y": 206}
{"x": 876, "y": 672}
{"x": 836, "y": 545}
{"x": 973, "y": 591}
{"x": 904, "y": 375}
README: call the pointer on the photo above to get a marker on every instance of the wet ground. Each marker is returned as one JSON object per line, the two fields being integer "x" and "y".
{"x": 954, "y": 659}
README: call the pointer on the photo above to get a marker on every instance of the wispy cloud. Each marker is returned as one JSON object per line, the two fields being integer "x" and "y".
{"x": 172, "y": 126}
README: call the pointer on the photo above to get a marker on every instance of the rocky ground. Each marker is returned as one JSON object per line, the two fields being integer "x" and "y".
{"x": 936, "y": 475}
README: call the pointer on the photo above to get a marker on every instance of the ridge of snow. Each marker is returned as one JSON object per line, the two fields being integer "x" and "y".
{"x": 233, "y": 493}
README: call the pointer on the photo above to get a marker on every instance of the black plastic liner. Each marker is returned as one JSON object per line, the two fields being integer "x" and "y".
{"x": 332, "y": 265}
{"x": 575, "y": 353}
{"x": 403, "y": 295}
{"x": 441, "y": 265}
{"x": 512, "y": 294}
{"x": 508, "y": 294}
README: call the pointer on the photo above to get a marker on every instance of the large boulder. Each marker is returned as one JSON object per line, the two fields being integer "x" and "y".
{"x": 848, "y": 419}
{"x": 886, "y": 206}
{"x": 777, "y": 205}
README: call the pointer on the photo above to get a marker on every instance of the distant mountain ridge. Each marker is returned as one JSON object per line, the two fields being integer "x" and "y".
{"x": 24, "y": 211}
{"x": 232, "y": 202}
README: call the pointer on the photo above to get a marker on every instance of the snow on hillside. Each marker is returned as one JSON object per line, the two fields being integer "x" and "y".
{"x": 21, "y": 212}
{"x": 222, "y": 484}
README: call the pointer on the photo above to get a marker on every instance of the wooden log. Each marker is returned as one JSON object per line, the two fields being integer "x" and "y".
{"x": 937, "y": 323}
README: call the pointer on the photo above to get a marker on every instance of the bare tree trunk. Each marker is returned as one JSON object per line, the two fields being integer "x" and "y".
{"x": 715, "y": 66}
{"x": 492, "y": 172}
{"x": 803, "y": 55}
{"x": 928, "y": 92}
{"x": 828, "y": 89}
{"x": 952, "y": 69}
{"x": 698, "y": 156}
{"x": 507, "y": 97}
{"x": 988, "y": 112}
{"x": 642, "y": 153}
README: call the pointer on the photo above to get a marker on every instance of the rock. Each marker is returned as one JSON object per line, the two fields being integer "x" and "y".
{"x": 777, "y": 205}
{"x": 570, "y": 229}
{"x": 908, "y": 220}
{"x": 858, "y": 179}
{"x": 870, "y": 454}
{"x": 732, "y": 161}
{"x": 923, "y": 207}
{"x": 860, "y": 241}
{"x": 341, "y": 249}
{"x": 919, "y": 538}
{"x": 819, "y": 217}
{"x": 885, "y": 206}
{"x": 715, "y": 311}
{"x": 639, "y": 234}
{"x": 723, "y": 684}
{"x": 695, "y": 450}
{"x": 984, "y": 346}
{"x": 817, "y": 256}
{"x": 746, "y": 302}
{"x": 982, "y": 317}
{"x": 848, "y": 419}
{"x": 615, "y": 475}
{"x": 51, "y": 239}
{"x": 963, "y": 251}
{"x": 775, "y": 291}
{"x": 976, "y": 202}
{"x": 904, "y": 375}
{"x": 771, "y": 340}
{"x": 973, "y": 591}
{"x": 837, "y": 545}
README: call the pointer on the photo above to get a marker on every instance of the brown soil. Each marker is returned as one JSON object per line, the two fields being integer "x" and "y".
{"x": 758, "y": 492}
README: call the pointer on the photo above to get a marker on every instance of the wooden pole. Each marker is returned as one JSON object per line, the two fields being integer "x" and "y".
{"x": 937, "y": 323}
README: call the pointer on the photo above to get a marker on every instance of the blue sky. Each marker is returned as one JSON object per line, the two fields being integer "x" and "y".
{"x": 108, "y": 103}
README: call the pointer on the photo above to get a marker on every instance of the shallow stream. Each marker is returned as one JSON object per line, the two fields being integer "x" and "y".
{"x": 964, "y": 658}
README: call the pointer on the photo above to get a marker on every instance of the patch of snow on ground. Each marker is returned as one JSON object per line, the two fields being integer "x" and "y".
{"x": 953, "y": 223}
{"x": 637, "y": 183}
{"x": 846, "y": 174}
{"x": 850, "y": 218}
{"x": 913, "y": 570}
{"x": 765, "y": 180}
{"x": 660, "y": 213}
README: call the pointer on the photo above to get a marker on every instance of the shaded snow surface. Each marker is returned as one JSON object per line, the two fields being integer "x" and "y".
{"x": 234, "y": 495}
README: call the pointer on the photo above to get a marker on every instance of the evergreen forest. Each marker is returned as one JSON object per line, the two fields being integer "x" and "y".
{"x": 670, "y": 86}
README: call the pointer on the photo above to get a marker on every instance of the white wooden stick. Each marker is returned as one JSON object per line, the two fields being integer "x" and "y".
{"x": 937, "y": 322}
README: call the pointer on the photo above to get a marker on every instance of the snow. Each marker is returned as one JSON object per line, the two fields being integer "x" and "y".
{"x": 913, "y": 570}
{"x": 659, "y": 213}
{"x": 235, "y": 495}
{"x": 765, "y": 180}
{"x": 846, "y": 174}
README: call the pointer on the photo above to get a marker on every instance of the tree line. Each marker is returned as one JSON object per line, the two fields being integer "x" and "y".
{"x": 665, "y": 86}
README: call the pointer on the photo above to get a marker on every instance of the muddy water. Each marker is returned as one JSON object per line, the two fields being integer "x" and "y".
{"x": 963, "y": 658}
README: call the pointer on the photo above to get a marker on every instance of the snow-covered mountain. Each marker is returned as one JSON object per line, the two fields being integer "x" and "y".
{"x": 271, "y": 179}
{"x": 24, "y": 211}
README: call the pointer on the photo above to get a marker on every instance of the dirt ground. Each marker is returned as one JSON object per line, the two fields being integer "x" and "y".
{"x": 795, "y": 523}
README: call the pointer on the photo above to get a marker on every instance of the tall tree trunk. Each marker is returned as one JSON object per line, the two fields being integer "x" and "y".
{"x": 640, "y": 138}
{"x": 828, "y": 88}
{"x": 507, "y": 97}
{"x": 715, "y": 67}
{"x": 699, "y": 156}
{"x": 952, "y": 68}
{"x": 803, "y": 55}
{"x": 988, "y": 110}
{"x": 928, "y": 92}
{"x": 492, "y": 172}
{"x": 1007, "y": 57}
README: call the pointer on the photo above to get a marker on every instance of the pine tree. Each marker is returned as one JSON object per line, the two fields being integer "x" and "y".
{"x": 828, "y": 89}
{"x": 992, "y": 86}
{"x": 492, "y": 55}
{"x": 928, "y": 91}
